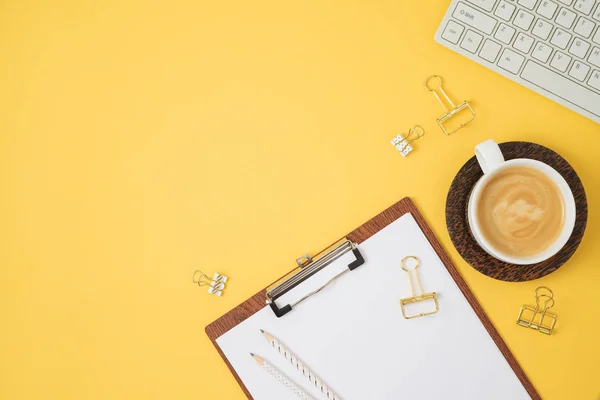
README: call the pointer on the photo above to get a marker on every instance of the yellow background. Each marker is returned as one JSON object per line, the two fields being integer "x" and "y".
{"x": 141, "y": 140}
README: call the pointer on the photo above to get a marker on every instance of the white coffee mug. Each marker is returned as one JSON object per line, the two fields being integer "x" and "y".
{"x": 492, "y": 161}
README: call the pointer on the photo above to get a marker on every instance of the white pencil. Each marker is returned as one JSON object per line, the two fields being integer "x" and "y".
{"x": 284, "y": 380}
{"x": 295, "y": 361}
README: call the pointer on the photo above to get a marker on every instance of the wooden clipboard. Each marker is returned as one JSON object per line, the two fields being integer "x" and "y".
{"x": 359, "y": 235}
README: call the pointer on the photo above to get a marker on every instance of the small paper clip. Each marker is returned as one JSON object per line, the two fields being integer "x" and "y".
{"x": 453, "y": 110}
{"x": 402, "y": 143}
{"x": 543, "y": 302}
{"x": 419, "y": 297}
{"x": 215, "y": 285}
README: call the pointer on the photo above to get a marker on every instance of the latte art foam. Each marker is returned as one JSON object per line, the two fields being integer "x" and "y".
{"x": 521, "y": 211}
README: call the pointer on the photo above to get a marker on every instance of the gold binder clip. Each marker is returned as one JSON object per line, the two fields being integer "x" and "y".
{"x": 402, "y": 143}
{"x": 420, "y": 296}
{"x": 453, "y": 110}
{"x": 544, "y": 300}
{"x": 215, "y": 285}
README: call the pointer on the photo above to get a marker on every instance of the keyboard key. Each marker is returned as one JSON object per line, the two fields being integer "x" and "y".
{"x": 596, "y": 15}
{"x": 594, "y": 57}
{"x": 490, "y": 50}
{"x": 547, "y": 9}
{"x": 595, "y": 80}
{"x": 579, "y": 48}
{"x": 471, "y": 41}
{"x": 505, "y": 10}
{"x": 560, "y": 86}
{"x": 542, "y": 52}
{"x": 511, "y": 61}
{"x": 523, "y": 42}
{"x": 584, "y": 27}
{"x": 561, "y": 38}
{"x": 560, "y": 61}
{"x": 579, "y": 71}
{"x": 523, "y": 20}
{"x": 542, "y": 29}
{"x": 596, "y": 38}
{"x": 487, "y": 5}
{"x": 452, "y": 32}
{"x": 566, "y": 18}
{"x": 504, "y": 33}
{"x": 527, "y": 3}
{"x": 584, "y": 6}
{"x": 474, "y": 18}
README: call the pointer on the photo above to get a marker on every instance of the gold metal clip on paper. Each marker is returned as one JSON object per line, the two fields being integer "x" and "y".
{"x": 538, "y": 317}
{"x": 420, "y": 296}
{"x": 452, "y": 110}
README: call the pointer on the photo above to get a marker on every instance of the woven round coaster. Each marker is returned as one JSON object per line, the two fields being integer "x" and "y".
{"x": 458, "y": 226}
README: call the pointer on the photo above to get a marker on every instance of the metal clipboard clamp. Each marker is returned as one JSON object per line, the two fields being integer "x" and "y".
{"x": 307, "y": 267}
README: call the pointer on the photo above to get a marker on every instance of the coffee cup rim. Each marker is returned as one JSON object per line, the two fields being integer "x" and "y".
{"x": 569, "y": 210}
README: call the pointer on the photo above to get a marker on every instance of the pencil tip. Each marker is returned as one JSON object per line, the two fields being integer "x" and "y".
{"x": 258, "y": 359}
{"x": 268, "y": 336}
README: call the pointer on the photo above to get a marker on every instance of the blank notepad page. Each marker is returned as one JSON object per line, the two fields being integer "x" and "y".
{"x": 353, "y": 335}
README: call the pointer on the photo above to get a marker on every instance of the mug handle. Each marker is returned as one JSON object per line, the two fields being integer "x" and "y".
{"x": 488, "y": 155}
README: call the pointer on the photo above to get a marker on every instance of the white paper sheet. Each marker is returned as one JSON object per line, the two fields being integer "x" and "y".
{"x": 353, "y": 335}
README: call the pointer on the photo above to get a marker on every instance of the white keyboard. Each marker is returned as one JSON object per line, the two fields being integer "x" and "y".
{"x": 550, "y": 46}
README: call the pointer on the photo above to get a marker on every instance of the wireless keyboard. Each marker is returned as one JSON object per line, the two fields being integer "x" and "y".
{"x": 551, "y": 47}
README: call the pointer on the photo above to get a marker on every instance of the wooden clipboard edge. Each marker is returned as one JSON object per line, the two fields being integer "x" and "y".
{"x": 359, "y": 235}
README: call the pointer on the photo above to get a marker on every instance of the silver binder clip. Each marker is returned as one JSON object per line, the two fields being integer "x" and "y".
{"x": 402, "y": 143}
{"x": 450, "y": 112}
{"x": 215, "y": 285}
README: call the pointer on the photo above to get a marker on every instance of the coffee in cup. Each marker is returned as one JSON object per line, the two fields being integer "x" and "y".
{"x": 521, "y": 211}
